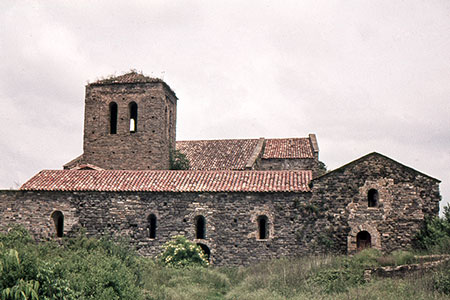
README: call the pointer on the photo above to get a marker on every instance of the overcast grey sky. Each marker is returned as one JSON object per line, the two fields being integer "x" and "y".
{"x": 363, "y": 75}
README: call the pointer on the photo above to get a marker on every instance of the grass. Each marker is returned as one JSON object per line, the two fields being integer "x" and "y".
{"x": 87, "y": 268}
{"x": 326, "y": 277}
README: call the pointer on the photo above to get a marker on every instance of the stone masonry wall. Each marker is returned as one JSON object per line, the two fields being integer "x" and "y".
{"x": 148, "y": 147}
{"x": 406, "y": 197}
{"x": 324, "y": 221}
{"x": 288, "y": 164}
{"x": 231, "y": 219}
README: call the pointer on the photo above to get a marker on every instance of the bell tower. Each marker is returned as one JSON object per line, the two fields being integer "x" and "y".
{"x": 129, "y": 123}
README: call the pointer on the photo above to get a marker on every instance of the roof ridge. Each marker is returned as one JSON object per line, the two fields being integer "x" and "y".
{"x": 288, "y": 138}
{"x": 213, "y": 140}
{"x": 374, "y": 153}
{"x": 175, "y": 171}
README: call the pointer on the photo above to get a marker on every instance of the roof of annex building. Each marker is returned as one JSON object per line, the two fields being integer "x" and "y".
{"x": 288, "y": 148}
{"x": 240, "y": 154}
{"x": 218, "y": 154}
{"x": 169, "y": 181}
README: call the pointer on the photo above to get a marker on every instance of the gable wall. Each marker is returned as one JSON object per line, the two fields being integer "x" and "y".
{"x": 288, "y": 164}
{"x": 406, "y": 197}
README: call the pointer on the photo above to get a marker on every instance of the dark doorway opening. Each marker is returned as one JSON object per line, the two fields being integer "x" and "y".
{"x": 205, "y": 250}
{"x": 363, "y": 240}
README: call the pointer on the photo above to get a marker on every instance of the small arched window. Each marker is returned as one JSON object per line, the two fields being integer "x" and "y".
{"x": 133, "y": 116}
{"x": 152, "y": 226}
{"x": 372, "y": 198}
{"x": 263, "y": 229}
{"x": 58, "y": 220}
{"x": 200, "y": 227}
{"x": 113, "y": 118}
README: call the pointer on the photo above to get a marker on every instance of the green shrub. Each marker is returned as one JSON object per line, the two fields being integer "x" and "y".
{"x": 16, "y": 237}
{"x": 23, "y": 290}
{"x": 337, "y": 280}
{"x": 83, "y": 268}
{"x": 53, "y": 282}
{"x": 435, "y": 234}
{"x": 386, "y": 261}
{"x": 321, "y": 169}
{"x": 441, "y": 279}
{"x": 367, "y": 258}
{"x": 10, "y": 268}
{"x": 442, "y": 282}
{"x": 179, "y": 252}
{"x": 178, "y": 160}
{"x": 344, "y": 273}
{"x": 402, "y": 257}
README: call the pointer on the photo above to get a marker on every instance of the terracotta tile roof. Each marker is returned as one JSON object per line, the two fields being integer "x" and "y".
{"x": 288, "y": 148}
{"x": 170, "y": 181}
{"x": 218, "y": 154}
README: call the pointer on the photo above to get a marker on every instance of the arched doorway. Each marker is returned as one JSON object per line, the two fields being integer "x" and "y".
{"x": 363, "y": 240}
{"x": 205, "y": 250}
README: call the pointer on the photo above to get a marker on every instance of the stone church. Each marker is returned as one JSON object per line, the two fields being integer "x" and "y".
{"x": 241, "y": 200}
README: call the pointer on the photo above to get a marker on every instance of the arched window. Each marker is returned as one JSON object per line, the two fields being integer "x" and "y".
{"x": 58, "y": 220}
{"x": 205, "y": 250}
{"x": 200, "y": 227}
{"x": 133, "y": 116}
{"x": 263, "y": 230}
{"x": 372, "y": 198}
{"x": 113, "y": 118}
{"x": 152, "y": 226}
{"x": 363, "y": 240}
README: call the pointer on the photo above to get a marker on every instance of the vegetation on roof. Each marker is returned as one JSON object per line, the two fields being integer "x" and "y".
{"x": 133, "y": 76}
{"x": 178, "y": 160}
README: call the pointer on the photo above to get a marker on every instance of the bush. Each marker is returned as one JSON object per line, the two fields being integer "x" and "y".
{"x": 435, "y": 234}
{"x": 441, "y": 280}
{"x": 178, "y": 161}
{"x": 17, "y": 236}
{"x": 179, "y": 252}
{"x": 22, "y": 290}
{"x": 367, "y": 258}
{"x": 83, "y": 268}
{"x": 402, "y": 257}
{"x": 338, "y": 280}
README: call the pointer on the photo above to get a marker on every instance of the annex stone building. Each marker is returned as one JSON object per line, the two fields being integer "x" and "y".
{"x": 241, "y": 200}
